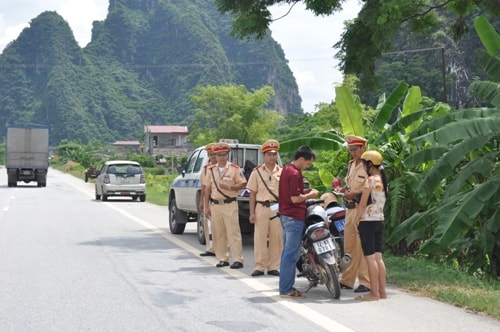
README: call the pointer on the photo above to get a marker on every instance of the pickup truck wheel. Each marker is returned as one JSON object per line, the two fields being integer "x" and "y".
{"x": 200, "y": 228}
{"x": 142, "y": 198}
{"x": 177, "y": 219}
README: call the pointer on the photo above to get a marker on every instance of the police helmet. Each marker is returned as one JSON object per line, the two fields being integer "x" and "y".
{"x": 328, "y": 199}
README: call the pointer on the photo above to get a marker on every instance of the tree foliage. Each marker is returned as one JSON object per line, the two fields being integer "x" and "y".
{"x": 370, "y": 34}
{"x": 232, "y": 112}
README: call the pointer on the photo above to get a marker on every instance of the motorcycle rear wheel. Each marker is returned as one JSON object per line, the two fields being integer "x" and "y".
{"x": 331, "y": 279}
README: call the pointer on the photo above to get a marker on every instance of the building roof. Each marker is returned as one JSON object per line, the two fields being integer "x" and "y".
{"x": 126, "y": 143}
{"x": 166, "y": 129}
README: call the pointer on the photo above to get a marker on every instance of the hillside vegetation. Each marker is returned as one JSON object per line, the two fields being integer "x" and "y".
{"x": 142, "y": 64}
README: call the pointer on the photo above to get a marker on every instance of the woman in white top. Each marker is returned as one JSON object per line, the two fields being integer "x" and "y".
{"x": 370, "y": 222}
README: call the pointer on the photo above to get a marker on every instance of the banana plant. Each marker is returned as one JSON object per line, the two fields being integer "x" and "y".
{"x": 460, "y": 151}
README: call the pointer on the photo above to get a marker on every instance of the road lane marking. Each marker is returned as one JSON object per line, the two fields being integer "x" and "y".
{"x": 311, "y": 315}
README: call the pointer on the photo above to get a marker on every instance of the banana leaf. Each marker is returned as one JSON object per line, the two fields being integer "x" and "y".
{"x": 459, "y": 130}
{"x": 482, "y": 166}
{"x": 457, "y": 213}
{"x": 387, "y": 107}
{"x": 412, "y": 104}
{"x": 450, "y": 117}
{"x": 349, "y": 112}
{"x": 489, "y": 37}
{"x": 487, "y": 91}
{"x": 445, "y": 166}
{"x": 314, "y": 142}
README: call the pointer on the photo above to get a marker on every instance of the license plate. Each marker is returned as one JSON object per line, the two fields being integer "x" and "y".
{"x": 324, "y": 246}
{"x": 125, "y": 181}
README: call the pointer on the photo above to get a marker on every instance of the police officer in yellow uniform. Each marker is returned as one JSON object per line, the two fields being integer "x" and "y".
{"x": 209, "y": 148}
{"x": 263, "y": 184}
{"x": 226, "y": 179}
{"x": 355, "y": 179}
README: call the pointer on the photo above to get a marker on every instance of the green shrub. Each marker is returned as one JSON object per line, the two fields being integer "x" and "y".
{"x": 159, "y": 170}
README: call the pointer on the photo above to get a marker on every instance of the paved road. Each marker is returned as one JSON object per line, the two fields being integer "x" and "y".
{"x": 68, "y": 262}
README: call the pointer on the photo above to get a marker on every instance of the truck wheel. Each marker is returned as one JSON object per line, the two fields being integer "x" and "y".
{"x": 200, "y": 228}
{"x": 177, "y": 218}
{"x": 142, "y": 198}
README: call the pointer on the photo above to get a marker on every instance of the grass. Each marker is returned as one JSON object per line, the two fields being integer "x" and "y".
{"x": 444, "y": 283}
{"x": 416, "y": 275}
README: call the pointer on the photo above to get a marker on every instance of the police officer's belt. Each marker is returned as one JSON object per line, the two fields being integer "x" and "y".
{"x": 350, "y": 205}
{"x": 222, "y": 201}
{"x": 267, "y": 203}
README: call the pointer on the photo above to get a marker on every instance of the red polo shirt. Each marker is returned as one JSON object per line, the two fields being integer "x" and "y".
{"x": 291, "y": 184}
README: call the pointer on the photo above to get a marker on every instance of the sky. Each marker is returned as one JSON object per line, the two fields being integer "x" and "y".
{"x": 307, "y": 40}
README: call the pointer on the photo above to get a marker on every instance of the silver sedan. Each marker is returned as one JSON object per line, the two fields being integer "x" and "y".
{"x": 120, "y": 178}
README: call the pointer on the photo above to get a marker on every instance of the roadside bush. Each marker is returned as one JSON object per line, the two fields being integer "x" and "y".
{"x": 144, "y": 160}
{"x": 159, "y": 170}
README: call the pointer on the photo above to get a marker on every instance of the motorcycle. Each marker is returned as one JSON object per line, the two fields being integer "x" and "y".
{"x": 318, "y": 261}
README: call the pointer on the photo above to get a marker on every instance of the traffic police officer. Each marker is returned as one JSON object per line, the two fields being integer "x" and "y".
{"x": 226, "y": 179}
{"x": 263, "y": 184}
{"x": 204, "y": 177}
{"x": 355, "y": 180}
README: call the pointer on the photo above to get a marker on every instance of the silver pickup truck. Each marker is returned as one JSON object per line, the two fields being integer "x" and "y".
{"x": 185, "y": 191}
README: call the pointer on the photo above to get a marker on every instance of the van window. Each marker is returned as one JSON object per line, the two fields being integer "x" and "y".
{"x": 199, "y": 162}
{"x": 253, "y": 156}
{"x": 240, "y": 155}
{"x": 192, "y": 161}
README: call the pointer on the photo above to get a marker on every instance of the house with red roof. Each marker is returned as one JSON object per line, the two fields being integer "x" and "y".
{"x": 166, "y": 140}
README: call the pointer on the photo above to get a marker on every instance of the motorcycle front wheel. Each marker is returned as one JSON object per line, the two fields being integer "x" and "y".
{"x": 330, "y": 277}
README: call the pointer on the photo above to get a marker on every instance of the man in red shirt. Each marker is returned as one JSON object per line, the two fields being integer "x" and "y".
{"x": 292, "y": 210}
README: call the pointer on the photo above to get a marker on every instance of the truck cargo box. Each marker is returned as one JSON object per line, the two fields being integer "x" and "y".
{"x": 27, "y": 154}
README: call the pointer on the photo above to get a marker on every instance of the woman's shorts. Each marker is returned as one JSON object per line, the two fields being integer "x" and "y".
{"x": 372, "y": 235}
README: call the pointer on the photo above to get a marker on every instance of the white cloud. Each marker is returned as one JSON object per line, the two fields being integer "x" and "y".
{"x": 307, "y": 40}
{"x": 15, "y": 15}
{"x": 82, "y": 24}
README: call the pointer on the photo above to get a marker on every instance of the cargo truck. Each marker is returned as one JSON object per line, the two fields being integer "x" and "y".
{"x": 27, "y": 154}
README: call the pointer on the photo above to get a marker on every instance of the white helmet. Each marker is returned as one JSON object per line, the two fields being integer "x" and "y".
{"x": 315, "y": 214}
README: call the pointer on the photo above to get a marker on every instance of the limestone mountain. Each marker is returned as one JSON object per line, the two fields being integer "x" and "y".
{"x": 142, "y": 64}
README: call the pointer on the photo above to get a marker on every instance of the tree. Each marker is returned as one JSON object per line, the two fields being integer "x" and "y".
{"x": 370, "y": 34}
{"x": 232, "y": 112}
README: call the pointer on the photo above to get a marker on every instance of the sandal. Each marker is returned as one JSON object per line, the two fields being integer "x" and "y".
{"x": 293, "y": 294}
{"x": 366, "y": 298}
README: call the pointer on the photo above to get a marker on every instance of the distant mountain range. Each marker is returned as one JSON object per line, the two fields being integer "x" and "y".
{"x": 141, "y": 66}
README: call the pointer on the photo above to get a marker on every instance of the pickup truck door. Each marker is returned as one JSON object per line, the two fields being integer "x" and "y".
{"x": 190, "y": 183}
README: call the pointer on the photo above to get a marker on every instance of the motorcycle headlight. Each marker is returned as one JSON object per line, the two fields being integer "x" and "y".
{"x": 319, "y": 234}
